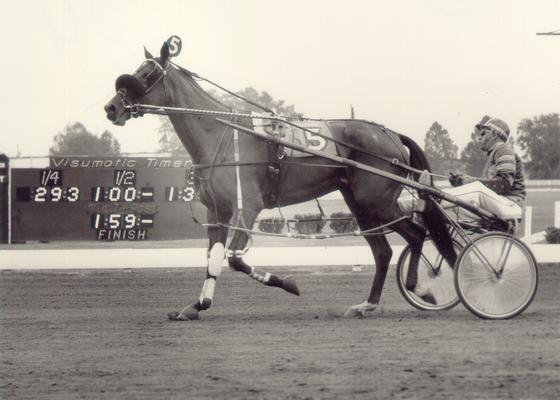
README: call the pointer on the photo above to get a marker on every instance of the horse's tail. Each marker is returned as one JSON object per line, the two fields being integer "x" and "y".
{"x": 432, "y": 216}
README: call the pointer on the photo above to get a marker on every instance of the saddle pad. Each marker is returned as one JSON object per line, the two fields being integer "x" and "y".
{"x": 296, "y": 135}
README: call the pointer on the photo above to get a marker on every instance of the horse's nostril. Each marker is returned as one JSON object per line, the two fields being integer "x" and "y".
{"x": 110, "y": 109}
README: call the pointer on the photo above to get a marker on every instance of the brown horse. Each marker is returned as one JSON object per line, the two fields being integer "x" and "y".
{"x": 235, "y": 188}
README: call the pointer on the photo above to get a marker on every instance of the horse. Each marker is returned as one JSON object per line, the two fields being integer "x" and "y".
{"x": 235, "y": 185}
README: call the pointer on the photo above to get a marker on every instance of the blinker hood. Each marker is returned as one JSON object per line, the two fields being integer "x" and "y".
{"x": 132, "y": 84}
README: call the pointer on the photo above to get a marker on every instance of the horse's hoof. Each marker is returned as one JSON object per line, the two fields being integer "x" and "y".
{"x": 360, "y": 310}
{"x": 173, "y": 315}
{"x": 290, "y": 286}
{"x": 426, "y": 295}
{"x": 429, "y": 298}
{"x": 188, "y": 314}
{"x": 352, "y": 312}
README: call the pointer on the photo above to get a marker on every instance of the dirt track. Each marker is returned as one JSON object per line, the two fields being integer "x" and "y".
{"x": 104, "y": 334}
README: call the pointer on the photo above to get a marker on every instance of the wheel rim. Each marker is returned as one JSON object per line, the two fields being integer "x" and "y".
{"x": 434, "y": 275}
{"x": 490, "y": 294}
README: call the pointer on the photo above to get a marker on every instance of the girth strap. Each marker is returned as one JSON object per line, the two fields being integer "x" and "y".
{"x": 273, "y": 173}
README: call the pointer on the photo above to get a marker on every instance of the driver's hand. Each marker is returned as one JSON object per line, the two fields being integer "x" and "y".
{"x": 455, "y": 179}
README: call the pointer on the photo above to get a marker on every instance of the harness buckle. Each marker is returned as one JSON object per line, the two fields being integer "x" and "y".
{"x": 395, "y": 161}
{"x": 135, "y": 111}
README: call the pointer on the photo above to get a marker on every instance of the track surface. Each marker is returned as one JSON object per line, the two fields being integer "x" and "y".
{"x": 104, "y": 334}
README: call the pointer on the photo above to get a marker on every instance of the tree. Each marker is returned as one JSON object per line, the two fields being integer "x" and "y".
{"x": 539, "y": 138}
{"x": 169, "y": 142}
{"x": 263, "y": 98}
{"x": 76, "y": 140}
{"x": 440, "y": 149}
{"x": 472, "y": 157}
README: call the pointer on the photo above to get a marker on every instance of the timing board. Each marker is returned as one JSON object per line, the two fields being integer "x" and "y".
{"x": 105, "y": 199}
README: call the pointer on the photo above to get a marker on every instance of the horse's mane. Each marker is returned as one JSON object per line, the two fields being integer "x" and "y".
{"x": 190, "y": 78}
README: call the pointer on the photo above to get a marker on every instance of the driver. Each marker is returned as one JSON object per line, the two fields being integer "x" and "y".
{"x": 501, "y": 189}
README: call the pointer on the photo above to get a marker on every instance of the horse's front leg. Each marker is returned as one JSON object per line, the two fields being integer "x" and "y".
{"x": 235, "y": 259}
{"x": 217, "y": 236}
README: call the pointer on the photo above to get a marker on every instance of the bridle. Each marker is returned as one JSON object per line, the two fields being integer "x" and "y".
{"x": 157, "y": 67}
{"x": 141, "y": 87}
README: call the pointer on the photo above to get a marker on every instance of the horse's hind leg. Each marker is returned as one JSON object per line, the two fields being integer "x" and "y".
{"x": 368, "y": 216}
{"x": 217, "y": 236}
{"x": 235, "y": 259}
{"x": 382, "y": 254}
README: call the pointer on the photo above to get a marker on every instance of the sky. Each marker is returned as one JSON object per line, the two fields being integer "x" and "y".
{"x": 404, "y": 64}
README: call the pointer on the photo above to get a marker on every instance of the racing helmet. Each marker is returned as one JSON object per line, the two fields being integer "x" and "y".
{"x": 495, "y": 125}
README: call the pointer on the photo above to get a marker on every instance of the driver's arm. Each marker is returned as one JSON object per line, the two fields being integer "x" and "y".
{"x": 503, "y": 171}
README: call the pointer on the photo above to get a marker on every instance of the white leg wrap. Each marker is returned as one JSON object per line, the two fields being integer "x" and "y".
{"x": 208, "y": 289}
{"x": 264, "y": 278}
{"x": 216, "y": 257}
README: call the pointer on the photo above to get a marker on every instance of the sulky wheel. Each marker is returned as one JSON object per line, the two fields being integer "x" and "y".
{"x": 435, "y": 276}
{"x": 496, "y": 276}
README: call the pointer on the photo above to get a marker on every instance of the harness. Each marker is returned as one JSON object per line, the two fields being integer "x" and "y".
{"x": 273, "y": 174}
{"x": 275, "y": 157}
{"x": 138, "y": 110}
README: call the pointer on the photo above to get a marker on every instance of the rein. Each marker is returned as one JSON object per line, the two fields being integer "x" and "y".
{"x": 244, "y": 163}
{"x": 196, "y": 76}
{"x": 138, "y": 110}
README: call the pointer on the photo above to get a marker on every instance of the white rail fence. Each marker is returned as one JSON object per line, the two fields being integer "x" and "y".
{"x": 544, "y": 252}
{"x": 15, "y": 258}
{"x": 528, "y": 236}
{"x": 126, "y": 258}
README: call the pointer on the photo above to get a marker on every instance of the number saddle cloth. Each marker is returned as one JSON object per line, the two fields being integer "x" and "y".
{"x": 308, "y": 136}
{"x": 305, "y": 134}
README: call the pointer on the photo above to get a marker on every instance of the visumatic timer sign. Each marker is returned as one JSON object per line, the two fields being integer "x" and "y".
{"x": 106, "y": 199}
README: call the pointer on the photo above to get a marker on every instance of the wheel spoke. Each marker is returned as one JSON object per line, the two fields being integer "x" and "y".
{"x": 483, "y": 259}
{"x": 428, "y": 263}
{"x": 434, "y": 275}
{"x": 491, "y": 295}
{"x": 506, "y": 248}
{"x": 474, "y": 285}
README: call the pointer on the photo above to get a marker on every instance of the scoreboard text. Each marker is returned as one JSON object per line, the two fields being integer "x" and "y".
{"x": 104, "y": 203}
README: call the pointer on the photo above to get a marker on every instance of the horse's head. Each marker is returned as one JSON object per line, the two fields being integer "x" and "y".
{"x": 146, "y": 85}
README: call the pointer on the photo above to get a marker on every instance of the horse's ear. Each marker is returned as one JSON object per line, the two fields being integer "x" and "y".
{"x": 164, "y": 53}
{"x": 147, "y": 53}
